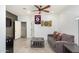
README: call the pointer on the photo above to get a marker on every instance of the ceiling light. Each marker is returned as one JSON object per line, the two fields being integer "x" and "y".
{"x": 52, "y": 11}
{"x": 28, "y": 12}
{"x": 24, "y": 8}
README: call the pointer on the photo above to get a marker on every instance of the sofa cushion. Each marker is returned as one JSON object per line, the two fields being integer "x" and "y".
{"x": 61, "y": 42}
{"x": 68, "y": 38}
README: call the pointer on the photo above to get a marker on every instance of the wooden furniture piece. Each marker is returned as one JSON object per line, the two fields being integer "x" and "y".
{"x": 9, "y": 44}
{"x": 37, "y": 42}
{"x": 71, "y": 48}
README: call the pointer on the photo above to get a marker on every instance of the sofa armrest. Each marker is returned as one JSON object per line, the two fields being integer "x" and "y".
{"x": 50, "y": 35}
{"x": 58, "y": 47}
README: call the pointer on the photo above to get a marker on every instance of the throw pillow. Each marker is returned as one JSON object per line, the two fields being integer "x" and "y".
{"x": 59, "y": 37}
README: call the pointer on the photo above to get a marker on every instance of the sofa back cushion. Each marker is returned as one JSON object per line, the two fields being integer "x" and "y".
{"x": 68, "y": 38}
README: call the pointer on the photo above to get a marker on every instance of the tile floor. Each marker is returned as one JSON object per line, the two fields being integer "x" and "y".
{"x": 23, "y": 46}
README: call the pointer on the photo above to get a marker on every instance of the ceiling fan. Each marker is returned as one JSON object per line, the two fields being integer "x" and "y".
{"x": 41, "y": 8}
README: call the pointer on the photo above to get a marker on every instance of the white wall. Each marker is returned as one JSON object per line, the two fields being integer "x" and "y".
{"x": 2, "y": 29}
{"x": 38, "y": 30}
{"x": 17, "y": 29}
{"x": 68, "y": 23}
{"x": 42, "y": 31}
{"x": 28, "y": 22}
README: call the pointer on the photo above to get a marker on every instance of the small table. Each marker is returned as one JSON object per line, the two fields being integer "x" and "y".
{"x": 71, "y": 48}
{"x": 37, "y": 42}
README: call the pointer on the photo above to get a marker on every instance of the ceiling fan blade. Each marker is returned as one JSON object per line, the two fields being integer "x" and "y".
{"x": 35, "y": 10}
{"x": 37, "y": 6}
{"x": 46, "y": 7}
{"x": 45, "y": 11}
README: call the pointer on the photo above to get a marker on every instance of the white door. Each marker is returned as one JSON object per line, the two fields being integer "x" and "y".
{"x": 17, "y": 29}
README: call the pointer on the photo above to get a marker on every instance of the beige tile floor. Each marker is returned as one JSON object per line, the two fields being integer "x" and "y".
{"x": 23, "y": 46}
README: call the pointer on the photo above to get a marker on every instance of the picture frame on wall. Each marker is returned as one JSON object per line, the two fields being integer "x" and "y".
{"x": 37, "y": 19}
{"x": 46, "y": 23}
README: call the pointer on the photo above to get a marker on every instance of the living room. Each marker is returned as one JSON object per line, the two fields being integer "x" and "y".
{"x": 63, "y": 19}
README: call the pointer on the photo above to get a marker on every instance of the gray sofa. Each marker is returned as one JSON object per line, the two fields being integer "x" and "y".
{"x": 57, "y": 45}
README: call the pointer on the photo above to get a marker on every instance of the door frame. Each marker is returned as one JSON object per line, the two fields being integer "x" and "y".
{"x": 25, "y": 30}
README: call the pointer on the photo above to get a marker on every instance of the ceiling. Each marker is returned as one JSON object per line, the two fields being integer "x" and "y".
{"x": 24, "y": 10}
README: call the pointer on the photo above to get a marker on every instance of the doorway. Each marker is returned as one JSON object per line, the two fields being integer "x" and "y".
{"x": 23, "y": 30}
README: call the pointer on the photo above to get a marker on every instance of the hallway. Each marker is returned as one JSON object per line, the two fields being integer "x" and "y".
{"x": 23, "y": 46}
